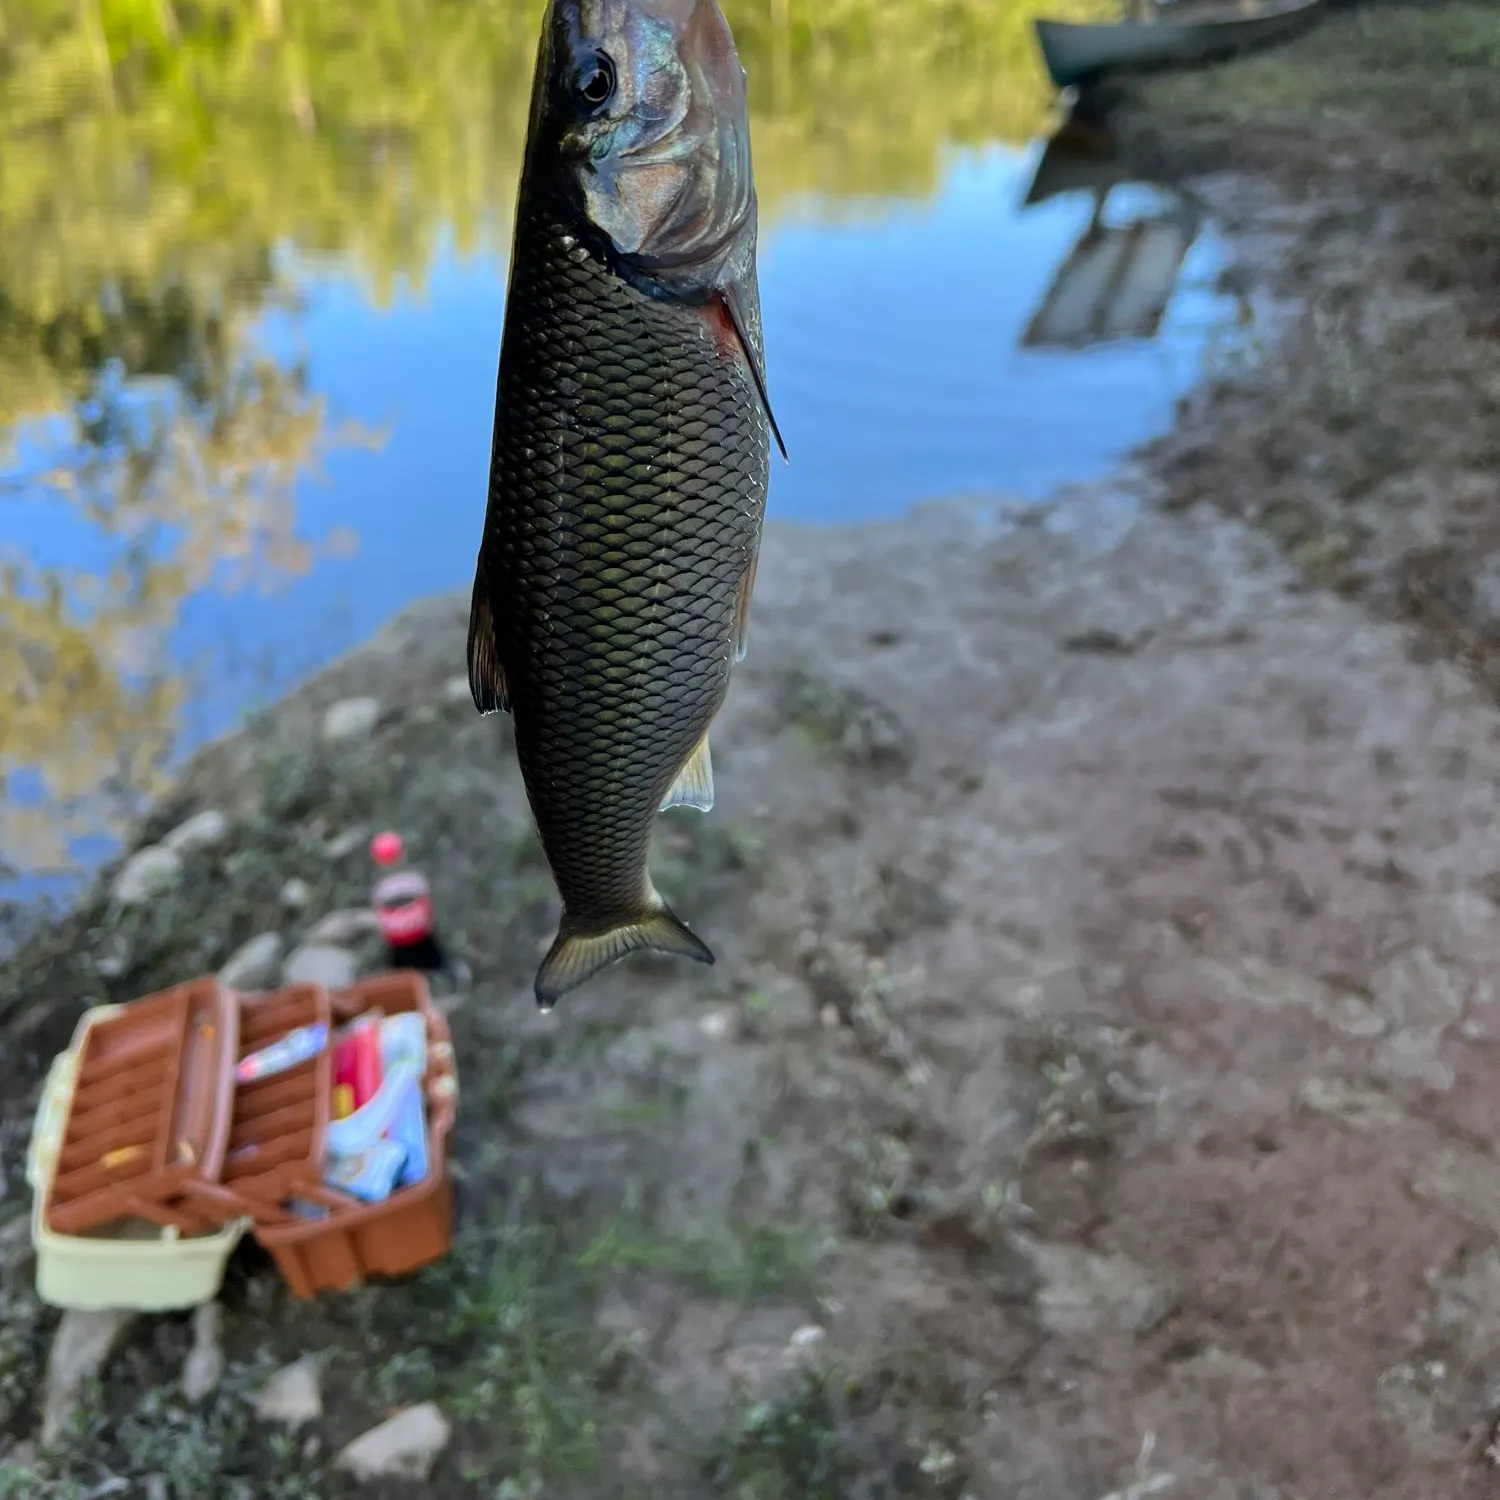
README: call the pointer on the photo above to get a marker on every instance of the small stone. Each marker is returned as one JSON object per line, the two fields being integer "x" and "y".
{"x": 350, "y": 719}
{"x": 296, "y": 894}
{"x": 345, "y": 926}
{"x": 715, "y": 1023}
{"x": 404, "y": 1447}
{"x": 113, "y": 961}
{"x": 292, "y": 1396}
{"x": 205, "y": 830}
{"x": 81, "y": 1348}
{"x": 333, "y": 967}
{"x": 808, "y": 1335}
{"x": 456, "y": 690}
{"x": 254, "y": 964}
{"x": 204, "y": 1367}
{"x": 342, "y": 845}
{"x": 148, "y": 873}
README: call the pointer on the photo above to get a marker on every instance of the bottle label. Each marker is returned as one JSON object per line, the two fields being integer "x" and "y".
{"x": 409, "y": 922}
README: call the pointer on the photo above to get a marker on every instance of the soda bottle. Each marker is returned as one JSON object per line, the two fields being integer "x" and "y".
{"x": 403, "y": 907}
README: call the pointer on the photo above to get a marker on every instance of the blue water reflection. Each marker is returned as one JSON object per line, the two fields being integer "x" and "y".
{"x": 893, "y": 337}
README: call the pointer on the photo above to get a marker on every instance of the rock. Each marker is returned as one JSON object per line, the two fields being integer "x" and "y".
{"x": 404, "y": 1447}
{"x": 147, "y": 874}
{"x": 808, "y": 1335}
{"x": 292, "y": 1396}
{"x": 205, "y": 830}
{"x": 350, "y": 719}
{"x": 345, "y": 926}
{"x": 342, "y": 845}
{"x": 114, "y": 958}
{"x": 80, "y": 1349}
{"x": 204, "y": 1367}
{"x": 327, "y": 964}
{"x": 255, "y": 964}
{"x": 296, "y": 894}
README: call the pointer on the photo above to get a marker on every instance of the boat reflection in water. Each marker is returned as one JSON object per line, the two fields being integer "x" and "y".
{"x": 1119, "y": 277}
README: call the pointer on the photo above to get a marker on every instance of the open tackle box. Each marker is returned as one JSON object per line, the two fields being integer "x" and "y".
{"x": 167, "y": 1130}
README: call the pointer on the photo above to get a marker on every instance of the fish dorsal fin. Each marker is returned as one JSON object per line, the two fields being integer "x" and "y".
{"x": 694, "y": 786}
{"x": 486, "y": 675}
{"x": 742, "y": 610}
{"x": 734, "y": 306}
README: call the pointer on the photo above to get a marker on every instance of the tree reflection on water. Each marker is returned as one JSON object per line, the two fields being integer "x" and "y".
{"x": 154, "y": 156}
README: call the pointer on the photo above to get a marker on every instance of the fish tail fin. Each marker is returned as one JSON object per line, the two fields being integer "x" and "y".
{"x": 576, "y": 956}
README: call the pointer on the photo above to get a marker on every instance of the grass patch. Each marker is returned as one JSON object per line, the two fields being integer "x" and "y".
{"x": 788, "y": 1450}
{"x": 829, "y": 1438}
{"x": 126, "y": 1440}
{"x": 763, "y": 1260}
{"x": 501, "y": 1336}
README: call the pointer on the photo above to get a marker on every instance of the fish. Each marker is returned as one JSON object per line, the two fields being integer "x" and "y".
{"x": 630, "y": 456}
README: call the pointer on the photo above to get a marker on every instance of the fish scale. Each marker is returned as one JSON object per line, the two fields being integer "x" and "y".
{"x": 628, "y": 481}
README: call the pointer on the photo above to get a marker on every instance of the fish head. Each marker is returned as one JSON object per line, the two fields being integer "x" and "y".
{"x": 649, "y": 97}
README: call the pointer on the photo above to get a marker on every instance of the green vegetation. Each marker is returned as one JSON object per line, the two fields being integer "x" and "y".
{"x": 742, "y": 1265}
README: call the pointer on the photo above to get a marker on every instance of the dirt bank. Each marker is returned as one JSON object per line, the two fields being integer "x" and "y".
{"x": 1093, "y": 1096}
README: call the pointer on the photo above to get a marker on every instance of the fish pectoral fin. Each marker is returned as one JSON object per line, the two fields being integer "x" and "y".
{"x": 734, "y": 306}
{"x": 486, "y": 675}
{"x": 694, "y": 786}
{"x": 742, "y": 611}
{"x": 576, "y": 957}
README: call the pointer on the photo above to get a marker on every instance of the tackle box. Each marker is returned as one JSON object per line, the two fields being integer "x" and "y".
{"x": 149, "y": 1162}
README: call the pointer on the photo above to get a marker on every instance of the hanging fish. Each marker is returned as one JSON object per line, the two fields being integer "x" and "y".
{"x": 631, "y": 455}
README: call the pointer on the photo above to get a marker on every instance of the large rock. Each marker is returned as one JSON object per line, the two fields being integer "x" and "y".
{"x": 293, "y": 1396}
{"x": 205, "y": 830}
{"x": 204, "y": 1367}
{"x": 80, "y": 1349}
{"x": 404, "y": 1447}
{"x": 255, "y": 964}
{"x": 345, "y": 926}
{"x": 350, "y": 719}
{"x": 333, "y": 967}
{"x": 148, "y": 874}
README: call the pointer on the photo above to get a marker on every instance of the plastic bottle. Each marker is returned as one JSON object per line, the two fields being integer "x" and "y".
{"x": 403, "y": 907}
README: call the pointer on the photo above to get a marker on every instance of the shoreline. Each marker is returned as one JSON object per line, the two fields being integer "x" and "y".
{"x": 1105, "y": 912}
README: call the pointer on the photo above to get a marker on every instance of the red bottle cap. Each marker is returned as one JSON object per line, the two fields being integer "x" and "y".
{"x": 386, "y": 848}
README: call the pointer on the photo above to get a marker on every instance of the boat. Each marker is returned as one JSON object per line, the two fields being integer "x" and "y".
{"x": 1178, "y": 34}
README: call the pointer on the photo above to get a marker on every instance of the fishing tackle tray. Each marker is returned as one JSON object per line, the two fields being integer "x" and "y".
{"x": 351, "y": 1240}
{"x": 149, "y": 1114}
{"x": 157, "y": 1131}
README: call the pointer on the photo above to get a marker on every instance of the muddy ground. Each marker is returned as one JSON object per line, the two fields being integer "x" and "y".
{"x": 1104, "y": 1048}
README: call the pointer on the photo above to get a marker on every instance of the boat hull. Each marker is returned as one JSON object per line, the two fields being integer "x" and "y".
{"x": 1080, "y": 53}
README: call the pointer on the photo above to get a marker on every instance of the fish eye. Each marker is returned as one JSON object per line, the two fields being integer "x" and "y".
{"x": 594, "y": 82}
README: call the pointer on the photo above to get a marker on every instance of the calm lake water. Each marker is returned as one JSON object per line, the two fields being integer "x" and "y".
{"x": 251, "y": 289}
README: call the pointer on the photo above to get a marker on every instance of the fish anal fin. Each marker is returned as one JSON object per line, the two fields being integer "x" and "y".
{"x": 694, "y": 786}
{"x": 576, "y": 956}
{"x": 486, "y": 675}
{"x": 742, "y": 610}
{"x": 733, "y": 303}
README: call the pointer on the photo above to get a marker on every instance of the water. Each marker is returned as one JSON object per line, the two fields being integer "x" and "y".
{"x": 212, "y": 531}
